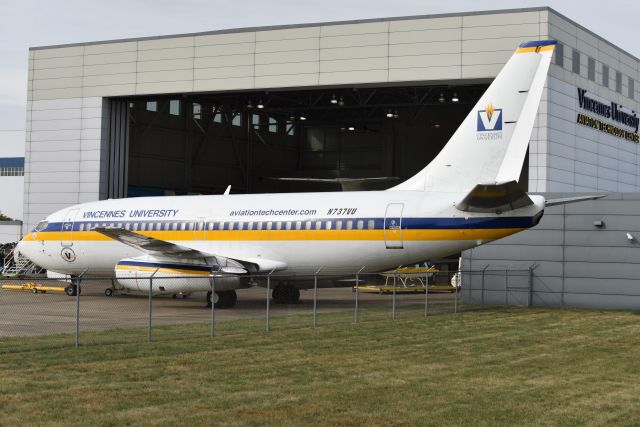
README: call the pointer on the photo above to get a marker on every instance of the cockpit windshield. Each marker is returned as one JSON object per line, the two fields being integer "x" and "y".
{"x": 42, "y": 225}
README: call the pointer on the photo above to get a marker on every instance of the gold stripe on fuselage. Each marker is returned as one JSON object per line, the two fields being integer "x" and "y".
{"x": 288, "y": 235}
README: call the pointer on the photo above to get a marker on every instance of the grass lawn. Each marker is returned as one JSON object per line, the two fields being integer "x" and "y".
{"x": 491, "y": 367}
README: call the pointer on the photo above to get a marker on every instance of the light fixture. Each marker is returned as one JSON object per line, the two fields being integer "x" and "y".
{"x": 436, "y": 125}
{"x": 389, "y": 114}
{"x": 351, "y": 128}
{"x": 395, "y": 114}
{"x": 260, "y": 104}
{"x": 630, "y": 237}
{"x": 333, "y": 99}
{"x": 249, "y": 104}
{"x": 341, "y": 102}
{"x": 598, "y": 223}
{"x": 303, "y": 118}
{"x": 455, "y": 98}
{"x": 441, "y": 98}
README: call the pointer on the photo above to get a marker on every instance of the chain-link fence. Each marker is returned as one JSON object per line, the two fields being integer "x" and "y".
{"x": 42, "y": 313}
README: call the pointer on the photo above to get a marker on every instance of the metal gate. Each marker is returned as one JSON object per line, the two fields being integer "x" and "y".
{"x": 393, "y": 226}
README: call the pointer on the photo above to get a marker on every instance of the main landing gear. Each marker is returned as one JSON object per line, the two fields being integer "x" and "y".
{"x": 72, "y": 290}
{"x": 222, "y": 299}
{"x": 285, "y": 294}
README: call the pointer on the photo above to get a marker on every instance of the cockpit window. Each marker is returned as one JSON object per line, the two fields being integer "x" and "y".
{"x": 42, "y": 225}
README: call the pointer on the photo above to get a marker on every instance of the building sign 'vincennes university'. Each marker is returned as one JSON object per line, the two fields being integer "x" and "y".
{"x": 611, "y": 111}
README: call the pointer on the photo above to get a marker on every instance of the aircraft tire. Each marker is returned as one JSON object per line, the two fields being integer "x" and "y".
{"x": 227, "y": 299}
{"x": 71, "y": 290}
{"x": 286, "y": 294}
{"x": 108, "y": 292}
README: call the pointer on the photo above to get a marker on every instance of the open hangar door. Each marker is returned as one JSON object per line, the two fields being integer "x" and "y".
{"x": 201, "y": 143}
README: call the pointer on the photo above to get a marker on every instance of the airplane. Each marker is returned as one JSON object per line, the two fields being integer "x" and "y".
{"x": 467, "y": 196}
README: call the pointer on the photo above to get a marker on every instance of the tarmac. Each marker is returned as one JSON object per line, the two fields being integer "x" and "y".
{"x": 27, "y": 314}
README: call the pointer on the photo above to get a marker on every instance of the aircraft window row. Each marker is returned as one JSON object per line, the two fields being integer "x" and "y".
{"x": 232, "y": 225}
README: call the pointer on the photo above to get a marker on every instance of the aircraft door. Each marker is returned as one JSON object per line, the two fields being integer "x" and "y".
{"x": 67, "y": 227}
{"x": 393, "y": 226}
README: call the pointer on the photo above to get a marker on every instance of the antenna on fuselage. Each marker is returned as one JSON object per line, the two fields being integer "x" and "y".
{"x": 227, "y": 191}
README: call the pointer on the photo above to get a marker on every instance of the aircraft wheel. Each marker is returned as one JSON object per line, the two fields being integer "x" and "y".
{"x": 227, "y": 299}
{"x": 286, "y": 294}
{"x": 71, "y": 290}
{"x": 34, "y": 291}
{"x": 108, "y": 292}
{"x": 215, "y": 299}
{"x": 294, "y": 295}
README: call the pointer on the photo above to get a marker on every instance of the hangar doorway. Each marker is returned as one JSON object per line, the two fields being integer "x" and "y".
{"x": 273, "y": 141}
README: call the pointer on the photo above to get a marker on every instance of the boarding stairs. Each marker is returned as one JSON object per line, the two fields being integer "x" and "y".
{"x": 18, "y": 265}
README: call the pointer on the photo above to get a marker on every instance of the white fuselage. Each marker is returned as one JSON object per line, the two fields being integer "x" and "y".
{"x": 297, "y": 233}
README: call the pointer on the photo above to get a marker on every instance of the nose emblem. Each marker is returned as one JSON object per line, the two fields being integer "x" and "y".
{"x": 68, "y": 254}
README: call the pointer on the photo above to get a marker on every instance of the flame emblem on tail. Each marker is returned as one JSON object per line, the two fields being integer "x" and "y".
{"x": 489, "y": 110}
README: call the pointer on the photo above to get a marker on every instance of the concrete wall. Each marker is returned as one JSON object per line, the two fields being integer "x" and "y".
{"x": 578, "y": 263}
{"x": 10, "y": 231}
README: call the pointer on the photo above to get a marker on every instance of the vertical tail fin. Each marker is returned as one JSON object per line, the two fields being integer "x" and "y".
{"x": 491, "y": 143}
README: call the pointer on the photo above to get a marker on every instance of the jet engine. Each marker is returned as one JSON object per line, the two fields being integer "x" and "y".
{"x": 171, "y": 276}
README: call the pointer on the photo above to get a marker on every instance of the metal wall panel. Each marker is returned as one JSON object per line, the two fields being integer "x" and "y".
{"x": 584, "y": 265}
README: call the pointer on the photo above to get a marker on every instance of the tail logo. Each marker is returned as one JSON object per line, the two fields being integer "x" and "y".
{"x": 490, "y": 119}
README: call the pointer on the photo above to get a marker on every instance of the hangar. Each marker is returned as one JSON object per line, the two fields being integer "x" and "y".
{"x": 194, "y": 113}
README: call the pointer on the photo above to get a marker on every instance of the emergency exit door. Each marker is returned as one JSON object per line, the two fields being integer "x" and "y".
{"x": 393, "y": 226}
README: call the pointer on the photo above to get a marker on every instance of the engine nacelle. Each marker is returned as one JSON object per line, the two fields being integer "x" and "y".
{"x": 165, "y": 276}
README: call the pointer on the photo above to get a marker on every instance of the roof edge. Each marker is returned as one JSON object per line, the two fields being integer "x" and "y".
{"x": 289, "y": 26}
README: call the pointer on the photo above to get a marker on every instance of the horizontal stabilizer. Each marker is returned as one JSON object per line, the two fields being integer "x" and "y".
{"x": 495, "y": 198}
{"x": 567, "y": 200}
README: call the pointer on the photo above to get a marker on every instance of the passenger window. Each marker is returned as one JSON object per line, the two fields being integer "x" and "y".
{"x": 250, "y": 226}
{"x": 349, "y": 225}
{"x": 279, "y": 225}
{"x": 167, "y": 226}
{"x": 81, "y": 227}
{"x": 127, "y": 226}
{"x": 175, "y": 226}
{"x": 360, "y": 224}
{"x": 210, "y": 226}
{"x": 338, "y": 225}
{"x": 318, "y": 225}
{"x": 269, "y": 225}
{"x": 231, "y": 226}
{"x": 371, "y": 224}
{"x": 119, "y": 225}
{"x": 288, "y": 225}
{"x": 328, "y": 225}
{"x": 259, "y": 226}
{"x": 135, "y": 226}
{"x": 143, "y": 226}
{"x": 158, "y": 226}
{"x": 183, "y": 226}
{"x": 150, "y": 226}
{"x": 308, "y": 225}
{"x": 298, "y": 225}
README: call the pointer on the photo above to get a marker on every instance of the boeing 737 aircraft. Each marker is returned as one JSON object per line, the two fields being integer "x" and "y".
{"x": 467, "y": 196}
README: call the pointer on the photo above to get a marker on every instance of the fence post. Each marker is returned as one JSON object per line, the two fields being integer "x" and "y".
{"x": 530, "y": 301}
{"x": 455, "y": 297}
{"x": 315, "y": 297}
{"x": 268, "y": 297}
{"x": 506, "y": 286}
{"x": 426, "y": 294}
{"x": 393, "y": 303}
{"x": 150, "y": 305}
{"x": 482, "y": 286}
{"x": 213, "y": 304}
{"x": 76, "y": 282}
{"x": 357, "y": 287}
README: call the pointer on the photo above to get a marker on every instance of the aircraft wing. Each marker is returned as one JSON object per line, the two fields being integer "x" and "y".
{"x": 162, "y": 248}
